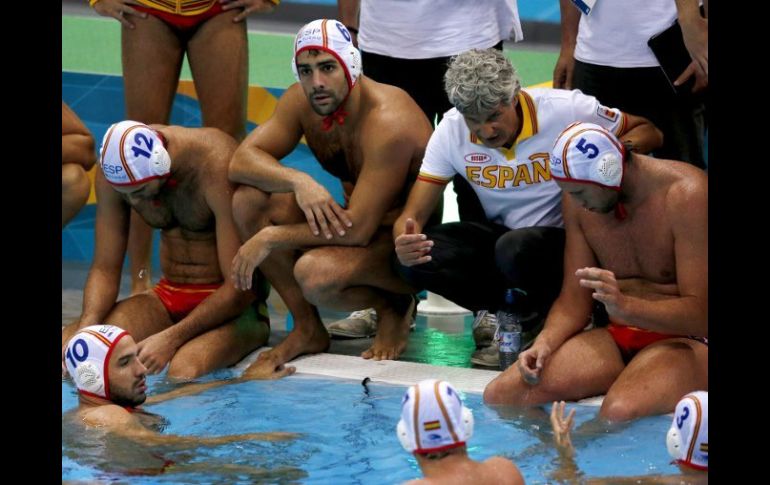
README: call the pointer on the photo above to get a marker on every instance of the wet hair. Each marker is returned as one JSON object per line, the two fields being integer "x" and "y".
{"x": 314, "y": 52}
{"x": 435, "y": 456}
{"x": 479, "y": 80}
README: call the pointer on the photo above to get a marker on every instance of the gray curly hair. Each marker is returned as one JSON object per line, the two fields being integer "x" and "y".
{"x": 479, "y": 80}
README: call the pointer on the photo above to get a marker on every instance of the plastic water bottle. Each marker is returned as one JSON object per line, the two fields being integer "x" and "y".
{"x": 509, "y": 321}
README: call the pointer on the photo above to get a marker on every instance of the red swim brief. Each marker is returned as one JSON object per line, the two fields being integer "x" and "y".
{"x": 180, "y": 298}
{"x": 183, "y": 22}
{"x": 630, "y": 340}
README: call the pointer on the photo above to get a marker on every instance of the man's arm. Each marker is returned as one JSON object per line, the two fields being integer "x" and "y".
{"x": 696, "y": 37}
{"x": 687, "y": 314}
{"x": 347, "y": 11}
{"x": 256, "y": 163}
{"x": 422, "y": 201}
{"x": 572, "y": 309}
{"x": 115, "y": 419}
{"x": 226, "y": 303}
{"x": 640, "y": 135}
{"x": 252, "y": 373}
{"x": 189, "y": 390}
{"x": 568, "y": 470}
{"x": 636, "y": 132}
{"x": 111, "y": 235}
{"x": 387, "y": 157}
{"x": 382, "y": 178}
{"x": 388, "y": 150}
{"x": 412, "y": 247}
{"x": 565, "y": 64}
{"x": 77, "y": 143}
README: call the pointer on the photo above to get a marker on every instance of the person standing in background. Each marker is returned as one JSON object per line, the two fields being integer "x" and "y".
{"x": 155, "y": 38}
{"x": 605, "y": 54}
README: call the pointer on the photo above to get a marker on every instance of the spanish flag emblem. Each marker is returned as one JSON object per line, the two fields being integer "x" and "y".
{"x": 431, "y": 425}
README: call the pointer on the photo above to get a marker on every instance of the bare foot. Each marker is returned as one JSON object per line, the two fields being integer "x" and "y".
{"x": 392, "y": 333}
{"x": 301, "y": 341}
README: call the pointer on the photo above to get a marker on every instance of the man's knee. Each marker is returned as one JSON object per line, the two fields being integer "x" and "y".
{"x": 185, "y": 367}
{"x": 495, "y": 393}
{"x": 249, "y": 209}
{"x": 75, "y": 184}
{"x": 505, "y": 389}
{"x": 620, "y": 408}
{"x": 68, "y": 331}
{"x": 318, "y": 276}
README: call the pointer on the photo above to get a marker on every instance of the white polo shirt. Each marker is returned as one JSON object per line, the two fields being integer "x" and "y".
{"x": 616, "y": 32}
{"x": 423, "y": 29}
{"x": 514, "y": 185}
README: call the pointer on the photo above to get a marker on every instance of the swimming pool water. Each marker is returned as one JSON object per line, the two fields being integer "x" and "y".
{"x": 346, "y": 436}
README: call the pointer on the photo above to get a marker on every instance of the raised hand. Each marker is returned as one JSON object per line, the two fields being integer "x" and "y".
{"x": 155, "y": 352}
{"x": 606, "y": 289}
{"x": 562, "y": 425}
{"x": 412, "y": 248}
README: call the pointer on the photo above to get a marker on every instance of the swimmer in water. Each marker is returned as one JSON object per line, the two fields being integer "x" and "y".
{"x": 687, "y": 442}
{"x": 435, "y": 427}
{"x": 104, "y": 365}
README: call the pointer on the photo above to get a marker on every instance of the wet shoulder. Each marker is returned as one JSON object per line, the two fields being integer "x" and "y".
{"x": 688, "y": 186}
{"x": 391, "y": 110}
{"x": 211, "y": 151}
{"x": 105, "y": 416}
{"x": 503, "y": 470}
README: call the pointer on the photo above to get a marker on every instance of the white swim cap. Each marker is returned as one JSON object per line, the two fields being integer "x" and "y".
{"x": 433, "y": 418}
{"x": 88, "y": 356}
{"x": 133, "y": 153}
{"x": 588, "y": 153}
{"x": 688, "y": 438}
{"x": 332, "y": 37}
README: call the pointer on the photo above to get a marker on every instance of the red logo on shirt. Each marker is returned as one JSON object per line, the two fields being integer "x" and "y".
{"x": 606, "y": 113}
{"x": 477, "y": 158}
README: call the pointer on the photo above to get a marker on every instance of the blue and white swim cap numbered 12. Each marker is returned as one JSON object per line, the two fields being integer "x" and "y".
{"x": 132, "y": 153}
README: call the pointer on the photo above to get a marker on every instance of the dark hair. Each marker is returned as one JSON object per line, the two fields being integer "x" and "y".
{"x": 436, "y": 456}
